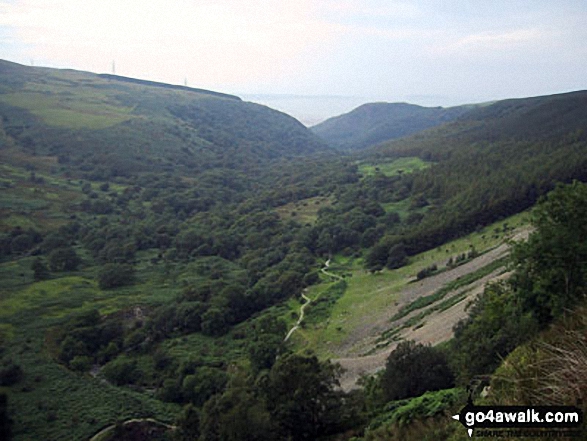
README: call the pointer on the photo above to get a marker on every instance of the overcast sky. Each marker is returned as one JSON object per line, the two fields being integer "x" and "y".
{"x": 431, "y": 52}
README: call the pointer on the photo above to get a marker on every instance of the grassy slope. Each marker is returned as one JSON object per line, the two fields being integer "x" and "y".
{"x": 55, "y": 403}
{"x": 393, "y": 168}
{"x": 367, "y": 292}
{"x": 92, "y": 120}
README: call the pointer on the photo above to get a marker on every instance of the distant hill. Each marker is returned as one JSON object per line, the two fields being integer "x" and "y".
{"x": 492, "y": 162}
{"x": 107, "y": 125}
{"x": 373, "y": 123}
{"x": 559, "y": 119}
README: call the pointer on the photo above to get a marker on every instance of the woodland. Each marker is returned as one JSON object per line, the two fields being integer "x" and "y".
{"x": 153, "y": 239}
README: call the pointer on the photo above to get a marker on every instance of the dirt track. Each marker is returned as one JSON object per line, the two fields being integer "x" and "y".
{"x": 437, "y": 327}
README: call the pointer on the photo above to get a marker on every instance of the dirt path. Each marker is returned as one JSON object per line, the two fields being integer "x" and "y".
{"x": 435, "y": 328}
{"x": 308, "y": 300}
{"x": 98, "y": 435}
{"x": 297, "y": 325}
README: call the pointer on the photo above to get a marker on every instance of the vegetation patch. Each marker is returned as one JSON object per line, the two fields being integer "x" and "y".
{"x": 396, "y": 167}
{"x": 465, "y": 280}
{"x": 304, "y": 211}
{"x": 69, "y": 113}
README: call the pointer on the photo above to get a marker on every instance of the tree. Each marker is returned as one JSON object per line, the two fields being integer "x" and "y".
{"x": 236, "y": 415}
{"x": 40, "y": 270}
{"x": 214, "y": 321}
{"x": 121, "y": 371}
{"x": 204, "y": 383}
{"x": 413, "y": 369}
{"x": 377, "y": 256}
{"x": 397, "y": 256}
{"x": 5, "y": 421}
{"x": 301, "y": 396}
{"x": 113, "y": 275}
{"x": 64, "y": 259}
{"x": 188, "y": 424}
{"x": 551, "y": 269}
{"x": 10, "y": 373}
{"x": 495, "y": 326}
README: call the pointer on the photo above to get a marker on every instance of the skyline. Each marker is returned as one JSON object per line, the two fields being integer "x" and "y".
{"x": 425, "y": 52}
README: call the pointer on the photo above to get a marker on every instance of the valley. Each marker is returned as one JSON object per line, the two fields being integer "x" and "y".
{"x": 183, "y": 256}
{"x": 362, "y": 329}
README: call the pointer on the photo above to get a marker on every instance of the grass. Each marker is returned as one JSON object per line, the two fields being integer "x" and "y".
{"x": 57, "y": 404}
{"x": 368, "y": 294}
{"x": 304, "y": 211}
{"x": 42, "y": 204}
{"x": 399, "y": 166}
{"x": 53, "y": 402}
{"x": 425, "y": 417}
{"x": 79, "y": 112}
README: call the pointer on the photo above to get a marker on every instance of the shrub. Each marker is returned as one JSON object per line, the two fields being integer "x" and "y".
{"x": 113, "y": 275}
{"x": 413, "y": 369}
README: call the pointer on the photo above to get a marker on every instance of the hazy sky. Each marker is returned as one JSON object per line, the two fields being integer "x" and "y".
{"x": 432, "y": 52}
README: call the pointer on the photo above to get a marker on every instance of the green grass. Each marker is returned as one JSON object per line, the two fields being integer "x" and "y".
{"x": 319, "y": 310}
{"x": 428, "y": 405}
{"x": 57, "y": 404}
{"x": 402, "y": 207}
{"x": 81, "y": 112}
{"x": 367, "y": 293}
{"x": 304, "y": 211}
{"x": 399, "y": 166}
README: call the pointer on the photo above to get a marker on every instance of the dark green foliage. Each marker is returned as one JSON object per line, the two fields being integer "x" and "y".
{"x": 373, "y": 123}
{"x": 182, "y": 318}
{"x": 80, "y": 363}
{"x": 301, "y": 397}
{"x": 551, "y": 268}
{"x": 121, "y": 371}
{"x": 214, "y": 321}
{"x": 19, "y": 241}
{"x": 202, "y": 384}
{"x": 188, "y": 424}
{"x": 495, "y": 326}
{"x": 5, "y": 421}
{"x": 86, "y": 338}
{"x": 427, "y": 272}
{"x": 397, "y": 256}
{"x": 40, "y": 270}
{"x": 64, "y": 259}
{"x": 10, "y": 373}
{"x": 413, "y": 369}
{"x": 113, "y": 275}
{"x": 266, "y": 342}
{"x": 236, "y": 415}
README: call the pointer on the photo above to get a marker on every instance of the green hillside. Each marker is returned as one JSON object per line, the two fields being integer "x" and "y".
{"x": 492, "y": 162}
{"x": 373, "y": 123}
{"x": 106, "y": 126}
{"x": 157, "y": 241}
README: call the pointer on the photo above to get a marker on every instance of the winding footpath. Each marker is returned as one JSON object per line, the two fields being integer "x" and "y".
{"x": 308, "y": 300}
{"x": 297, "y": 325}
{"x": 102, "y": 432}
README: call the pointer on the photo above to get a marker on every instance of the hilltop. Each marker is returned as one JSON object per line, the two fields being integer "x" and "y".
{"x": 373, "y": 123}
{"x": 107, "y": 126}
